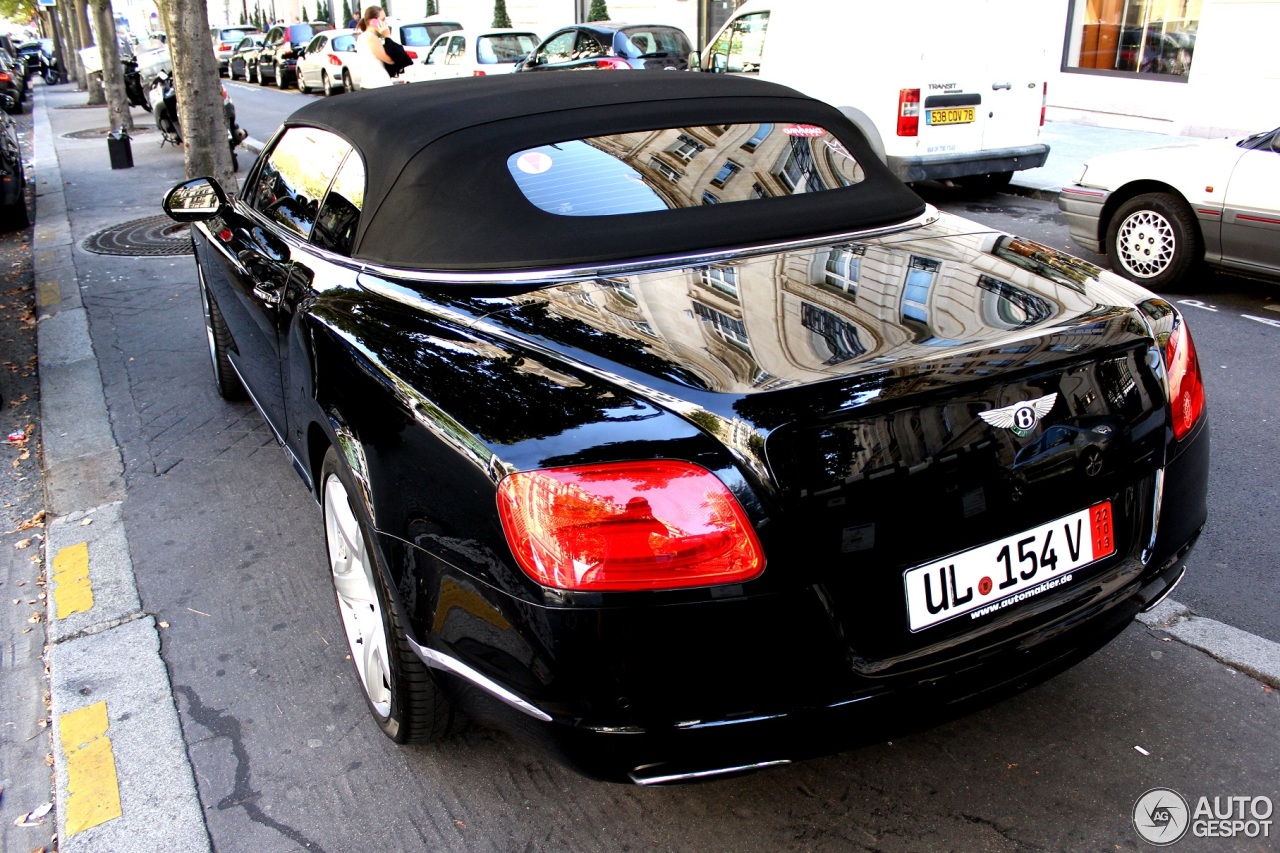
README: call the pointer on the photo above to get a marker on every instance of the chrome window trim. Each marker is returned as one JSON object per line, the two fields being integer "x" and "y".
{"x": 567, "y": 275}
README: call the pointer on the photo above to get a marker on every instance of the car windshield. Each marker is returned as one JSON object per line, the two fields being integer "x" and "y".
{"x": 635, "y": 42}
{"x": 506, "y": 47}
{"x": 422, "y": 35}
{"x": 682, "y": 167}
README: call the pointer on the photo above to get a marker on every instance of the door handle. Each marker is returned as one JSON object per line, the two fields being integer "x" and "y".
{"x": 998, "y": 86}
{"x": 268, "y": 295}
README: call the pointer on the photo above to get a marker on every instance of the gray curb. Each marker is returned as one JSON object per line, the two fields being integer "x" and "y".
{"x": 111, "y": 652}
{"x": 1250, "y": 654}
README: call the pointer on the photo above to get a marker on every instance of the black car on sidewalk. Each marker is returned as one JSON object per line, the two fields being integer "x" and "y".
{"x": 688, "y": 440}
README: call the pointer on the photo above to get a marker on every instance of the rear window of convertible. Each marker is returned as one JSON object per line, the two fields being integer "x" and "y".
{"x": 673, "y": 168}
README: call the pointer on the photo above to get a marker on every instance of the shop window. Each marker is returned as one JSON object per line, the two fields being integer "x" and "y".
{"x": 1139, "y": 37}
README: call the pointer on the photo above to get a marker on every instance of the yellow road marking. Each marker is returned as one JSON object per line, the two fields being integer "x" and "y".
{"x": 93, "y": 791}
{"x": 72, "y": 592}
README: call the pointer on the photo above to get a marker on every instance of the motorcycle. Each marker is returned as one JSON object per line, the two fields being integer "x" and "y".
{"x": 133, "y": 84}
{"x": 164, "y": 106}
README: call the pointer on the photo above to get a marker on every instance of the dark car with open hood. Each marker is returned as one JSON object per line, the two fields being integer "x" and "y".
{"x": 688, "y": 440}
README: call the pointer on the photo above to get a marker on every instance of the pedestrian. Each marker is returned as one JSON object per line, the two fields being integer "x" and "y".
{"x": 372, "y": 56}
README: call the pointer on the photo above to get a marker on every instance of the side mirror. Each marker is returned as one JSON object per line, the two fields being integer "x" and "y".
{"x": 719, "y": 63}
{"x": 195, "y": 200}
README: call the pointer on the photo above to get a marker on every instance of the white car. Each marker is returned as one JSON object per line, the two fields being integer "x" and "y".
{"x": 414, "y": 36}
{"x": 1159, "y": 212}
{"x": 327, "y": 63}
{"x": 473, "y": 53}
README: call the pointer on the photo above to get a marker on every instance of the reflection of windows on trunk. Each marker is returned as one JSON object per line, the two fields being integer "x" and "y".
{"x": 797, "y": 171}
{"x": 664, "y": 170}
{"x": 759, "y": 136}
{"x": 1011, "y": 307}
{"x": 915, "y": 295}
{"x": 728, "y": 328}
{"x": 686, "y": 147}
{"x": 844, "y": 267}
{"x": 723, "y": 279}
{"x": 834, "y": 338}
{"x": 726, "y": 173}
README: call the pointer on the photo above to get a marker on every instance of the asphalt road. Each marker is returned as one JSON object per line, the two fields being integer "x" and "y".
{"x": 227, "y": 550}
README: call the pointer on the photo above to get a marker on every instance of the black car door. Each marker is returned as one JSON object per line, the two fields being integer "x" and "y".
{"x": 264, "y": 236}
{"x": 267, "y": 56}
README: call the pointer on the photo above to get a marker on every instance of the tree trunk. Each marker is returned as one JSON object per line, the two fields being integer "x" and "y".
{"x": 70, "y": 47}
{"x": 93, "y": 82}
{"x": 112, "y": 71}
{"x": 199, "y": 91}
{"x": 59, "y": 34}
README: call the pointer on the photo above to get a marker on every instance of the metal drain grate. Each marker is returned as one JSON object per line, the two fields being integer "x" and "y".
{"x": 101, "y": 133}
{"x": 154, "y": 236}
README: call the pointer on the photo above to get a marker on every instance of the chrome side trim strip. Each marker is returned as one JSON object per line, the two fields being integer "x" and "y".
{"x": 1157, "y": 500}
{"x": 658, "y": 264}
{"x": 639, "y": 778}
{"x": 438, "y": 660}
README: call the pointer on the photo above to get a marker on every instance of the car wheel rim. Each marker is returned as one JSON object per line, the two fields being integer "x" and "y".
{"x": 1146, "y": 243}
{"x": 357, "y": 597}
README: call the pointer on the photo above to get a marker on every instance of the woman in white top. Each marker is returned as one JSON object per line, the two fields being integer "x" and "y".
{"x": 371, "y": 30}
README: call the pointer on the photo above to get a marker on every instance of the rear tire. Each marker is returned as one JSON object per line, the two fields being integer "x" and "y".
{"x": 326, "y": 84}
{"x": 1153, "y": 240}
{"x": 224, "y": 375}
{"x": 400, "y": 690}
{"x": 346, "y": 81}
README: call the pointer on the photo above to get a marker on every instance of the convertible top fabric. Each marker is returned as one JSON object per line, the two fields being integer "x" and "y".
{"x": 439, "y": 194}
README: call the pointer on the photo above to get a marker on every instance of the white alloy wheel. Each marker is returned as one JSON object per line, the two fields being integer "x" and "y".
{"x": 358, "y": 603}
{"x": 1146, "y": 243}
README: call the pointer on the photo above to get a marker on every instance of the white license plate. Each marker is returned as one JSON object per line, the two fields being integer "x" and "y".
{"x": 1003, "y": 573}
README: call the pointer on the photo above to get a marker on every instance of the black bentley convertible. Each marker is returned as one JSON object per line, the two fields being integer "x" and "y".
{"x": 652, "y": 419}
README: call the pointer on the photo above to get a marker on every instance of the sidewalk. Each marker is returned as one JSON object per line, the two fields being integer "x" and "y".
{"x": 124, "y": 777}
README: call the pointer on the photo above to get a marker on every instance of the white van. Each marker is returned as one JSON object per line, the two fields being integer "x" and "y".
{"x": 942, "y": 89}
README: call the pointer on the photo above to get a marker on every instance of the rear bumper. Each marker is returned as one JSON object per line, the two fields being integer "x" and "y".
{"x": 669, "y": 694}
{"x": 936, "y": 167}
{"x": 1082, "y": 208}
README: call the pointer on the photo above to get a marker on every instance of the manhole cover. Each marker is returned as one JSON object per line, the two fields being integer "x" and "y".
{"x": 155, "y": 235}
{"x": 101, "y": 133}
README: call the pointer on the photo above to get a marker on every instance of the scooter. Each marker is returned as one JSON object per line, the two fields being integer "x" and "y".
{"x": 133, "y": 84}
{"x": 164, "y": 106}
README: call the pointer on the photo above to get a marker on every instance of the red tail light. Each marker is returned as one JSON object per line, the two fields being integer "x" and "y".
{"x": 477, "y": 73}
{"x": 1044, "y": 101}
{"x": 224, "y": 48}
{"x": 908, "y": 112}
{"x": 411, "y": 54}
{"x": 628, "y": 526}
{"x": 334, "y": 60}
{"x": 1186, "y": 385}
{"x": 4, "y": 77}
{"x": 613, "y": 63}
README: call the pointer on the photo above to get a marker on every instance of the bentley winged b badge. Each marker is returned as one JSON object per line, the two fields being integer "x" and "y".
{"x": 1020, "y": 417}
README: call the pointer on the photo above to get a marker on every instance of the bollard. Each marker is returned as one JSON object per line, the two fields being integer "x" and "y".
{"x": 118, "y": 148}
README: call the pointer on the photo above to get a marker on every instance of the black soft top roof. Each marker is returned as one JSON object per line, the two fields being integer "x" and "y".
{"x": 439, "y": 194}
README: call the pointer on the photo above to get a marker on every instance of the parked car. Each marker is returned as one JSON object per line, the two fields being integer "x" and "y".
{"x": 675, "y": 488}
{"x": 613, "y": 46}
{"x": 1158, "y": 213}
{"x": 418, "y": 35}
{"x": 326, "y": 63}
{"x": 472, "y": 53}
{"x": 13, "y": 86}
{"x": 13, "y": 179}
{"x": 225, "y": 41}
{"x": 280, "y": 49}
{"x": 965, "y": 102}
{"x": 243, "y": 62}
